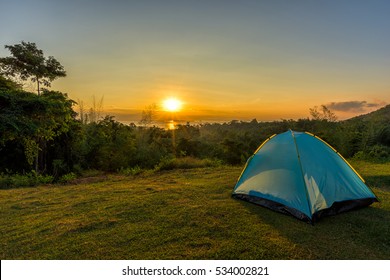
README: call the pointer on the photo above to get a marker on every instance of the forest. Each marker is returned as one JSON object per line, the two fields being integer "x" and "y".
{"x": 43, "y": 138}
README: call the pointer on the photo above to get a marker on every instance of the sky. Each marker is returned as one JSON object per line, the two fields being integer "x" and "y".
{"x": 264, "y": 59}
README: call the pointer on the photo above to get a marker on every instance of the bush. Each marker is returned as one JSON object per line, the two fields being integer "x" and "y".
{"x": 24, "y": 180}
{"x": 360, "y": 155}
{"x": 67, "y": 178}
{"x": 375, "y": 153}
{"x": 132, "y": 171}
{"x": 379, "y": 152}
{"x": 44, "y": 179}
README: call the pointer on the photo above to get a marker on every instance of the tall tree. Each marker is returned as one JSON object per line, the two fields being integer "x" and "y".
{"x": 28, "y": 62}
{"x": 149, "y": 115}
{"x": 323, "y": 114}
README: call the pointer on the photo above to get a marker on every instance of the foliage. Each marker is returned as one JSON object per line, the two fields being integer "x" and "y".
{"x": 106, "y": 145}
{"x": 67, "y": 178}
{"x": 24, "y": 180}
{"x": 28, "y": 62}
{"x": 323, "y": 114}
{"x": 7, "y": 84}
{"x": 35, "y": 129}
{"x": 379, "y": 152}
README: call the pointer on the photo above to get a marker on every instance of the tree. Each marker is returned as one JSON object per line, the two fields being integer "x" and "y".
{"x": 28, "y": 62}
{"x": 149, "y": 115}
{"x": 30, "y": 124}
{"x": 324, "y": 115}
{"x": 6, "y": 84}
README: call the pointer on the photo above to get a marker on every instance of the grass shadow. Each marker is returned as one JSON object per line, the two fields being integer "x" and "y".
{"x": 358, "y": 234}
{"x": 381, "y": 182}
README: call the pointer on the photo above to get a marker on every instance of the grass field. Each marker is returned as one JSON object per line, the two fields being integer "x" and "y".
{"x": 182, "y": 214}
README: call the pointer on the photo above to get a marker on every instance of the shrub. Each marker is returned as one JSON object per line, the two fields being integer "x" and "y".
{"x": 132, "y": 171}
{"x": 379, "y": 152}
{"x": 375, "y": 153}
{"x": 24, "y": 180}
{"x": 360, "y": 155}
{"x": 67, "y": 178}
{"x": 44, "y": 179}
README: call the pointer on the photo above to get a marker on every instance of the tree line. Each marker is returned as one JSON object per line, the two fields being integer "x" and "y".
{"x": 42, "y": 133}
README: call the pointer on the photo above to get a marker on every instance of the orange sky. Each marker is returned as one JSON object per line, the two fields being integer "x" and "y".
{"x": 225, "y": 60}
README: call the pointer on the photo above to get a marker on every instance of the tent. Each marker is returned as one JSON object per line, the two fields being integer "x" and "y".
{"x": 298, "y": 173}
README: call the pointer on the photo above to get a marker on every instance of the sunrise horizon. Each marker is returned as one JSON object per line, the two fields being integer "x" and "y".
{"x": 264, "y": 60}
{"x": 201, "y": 114}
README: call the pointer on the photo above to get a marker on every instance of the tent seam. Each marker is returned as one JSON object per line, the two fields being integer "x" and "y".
{"x": 303, "y": 177}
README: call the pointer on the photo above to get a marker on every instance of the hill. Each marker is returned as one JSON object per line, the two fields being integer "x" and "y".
{"x": 365, "y": 136}
{"x": 381, "y": 115}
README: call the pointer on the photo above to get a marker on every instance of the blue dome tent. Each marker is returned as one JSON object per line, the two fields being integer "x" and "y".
{"x": 298, "y": 173}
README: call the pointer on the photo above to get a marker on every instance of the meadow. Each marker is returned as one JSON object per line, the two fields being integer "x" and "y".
{"x": 182, "y": 214}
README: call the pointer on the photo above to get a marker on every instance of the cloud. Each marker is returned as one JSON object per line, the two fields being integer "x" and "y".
{"x": 354, "y": 106}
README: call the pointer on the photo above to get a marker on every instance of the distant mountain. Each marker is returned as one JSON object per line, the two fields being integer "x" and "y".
{"x": 369, "y": 133}
{"x": 381, "y": 115}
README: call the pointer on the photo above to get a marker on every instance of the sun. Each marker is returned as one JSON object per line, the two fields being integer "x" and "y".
{"x": 172, "y": 104}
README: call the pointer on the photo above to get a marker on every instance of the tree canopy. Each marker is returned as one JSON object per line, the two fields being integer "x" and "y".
{"x": 7, "y": 84}
{"x": 28, "y": 62}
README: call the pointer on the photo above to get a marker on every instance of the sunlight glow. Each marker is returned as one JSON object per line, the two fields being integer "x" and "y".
{"x": 172, "y": 104}
{"x": 171, "y": 125}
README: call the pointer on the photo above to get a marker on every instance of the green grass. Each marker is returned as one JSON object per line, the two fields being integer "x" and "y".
{"x": 182, "y": 214}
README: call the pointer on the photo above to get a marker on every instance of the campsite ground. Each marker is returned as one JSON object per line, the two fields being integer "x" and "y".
{"x": 182, "y": 214}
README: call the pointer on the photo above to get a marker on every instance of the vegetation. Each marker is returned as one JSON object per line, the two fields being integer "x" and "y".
{"x": 43, "y": 134}
{"x": 182, "y": 214}
{"x": 28, "y": 62}
{"x": 36, "y": 131}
